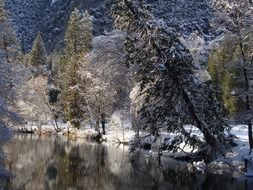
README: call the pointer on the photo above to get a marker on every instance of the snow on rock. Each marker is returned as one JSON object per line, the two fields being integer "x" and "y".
{"x": 118, "y": 136}
{"x": 50, "y": 127}
{"x": 200, "y": 165}
{"x": 235, "y": 161}
{"x": 242, "y": 149}
{"x": 221, "y": 168}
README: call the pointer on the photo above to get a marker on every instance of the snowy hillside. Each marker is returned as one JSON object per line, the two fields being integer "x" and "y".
{"x": 50, "y": 17}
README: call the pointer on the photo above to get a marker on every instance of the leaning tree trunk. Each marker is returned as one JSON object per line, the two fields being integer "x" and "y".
{"x": 175, "y": 96}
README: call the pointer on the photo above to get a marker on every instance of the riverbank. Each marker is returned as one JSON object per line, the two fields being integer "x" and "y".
{"x": 42, "y": 162}
{"x": 114, "y": 135}
{"x": 233, "y": 162}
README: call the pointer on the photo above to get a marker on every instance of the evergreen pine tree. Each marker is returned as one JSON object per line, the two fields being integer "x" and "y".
{"x": 78, "y": 40}
{"x": 78, "y": 36}
{"x": 173, "y": 95}
{"x": 38, "y": 53}
{"x": 2, "y": 12}
{"x": 8, "y": 41}
{"x": 238, "y": 17}
{"x": 227, "y": 75}
{"x": 86, "y": 32}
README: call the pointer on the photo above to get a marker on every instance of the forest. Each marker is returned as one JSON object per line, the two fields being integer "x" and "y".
{"x": 140, "y": 82}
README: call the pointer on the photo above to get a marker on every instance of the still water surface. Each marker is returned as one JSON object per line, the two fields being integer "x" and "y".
{"x": 56, "y": 164}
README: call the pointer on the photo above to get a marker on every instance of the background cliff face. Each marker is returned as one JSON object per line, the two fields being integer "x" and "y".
{"x": 186, "y": 16}
{"x": 50, "y": 17}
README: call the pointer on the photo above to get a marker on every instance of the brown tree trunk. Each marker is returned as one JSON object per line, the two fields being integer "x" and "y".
{"x": 250, "y": 136}
{"x": 249, "y": 122}
{"x": 97, "y": 125}
{"x": 103, "y": 122}
{"x": 247, "y": 88}
{"x": 91, "y": 124}
{"x": 6, "y": 49}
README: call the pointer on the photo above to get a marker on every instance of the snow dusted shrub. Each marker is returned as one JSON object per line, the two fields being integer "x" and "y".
{"x": 115, "y": 121}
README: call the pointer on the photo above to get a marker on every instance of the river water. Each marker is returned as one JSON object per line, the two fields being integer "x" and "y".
{"x": 56, "y": 164}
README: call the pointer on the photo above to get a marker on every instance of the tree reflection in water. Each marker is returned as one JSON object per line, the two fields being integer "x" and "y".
{"x": 56, "y": 164}
{"x": 5, "y": 135}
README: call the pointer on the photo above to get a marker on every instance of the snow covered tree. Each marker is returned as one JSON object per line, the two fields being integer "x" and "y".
{"x": 78, "y": 36}
{"x": 236, "y": 18}
{"x": 7, "y": 94}
{"x": 104, "y": 87}
{"x": 32, "y": 102}
{"x": 78, "y": 39}
{"x": 173, "y": 95}
{"x": 86, "y": 35}
{"x": 9, "y": 55}
{"x": 9, "y": 51}
{"x": 38, "y": 55}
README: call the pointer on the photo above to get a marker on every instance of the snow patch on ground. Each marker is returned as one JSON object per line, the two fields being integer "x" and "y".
{"x": 242, "y": 149}
{"x": 234, "y": 161}
{"x": 114, "y": 133}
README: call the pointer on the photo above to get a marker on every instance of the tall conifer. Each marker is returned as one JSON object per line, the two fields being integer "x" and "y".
{"x": 78, "y": 40}
{"x": 38, "y": 53}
